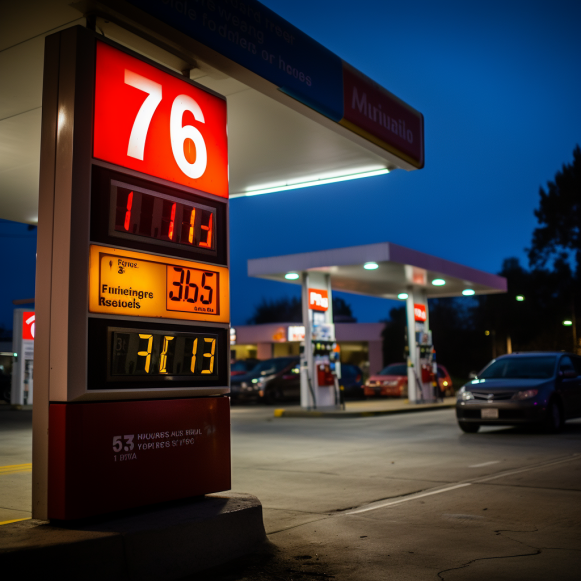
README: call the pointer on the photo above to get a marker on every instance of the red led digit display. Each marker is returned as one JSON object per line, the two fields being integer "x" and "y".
{"x": 150, "y": 121}
{"x": 152, "y": 215}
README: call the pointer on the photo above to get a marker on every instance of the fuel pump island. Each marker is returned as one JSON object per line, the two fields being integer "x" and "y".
{"x": 384, "y": 270}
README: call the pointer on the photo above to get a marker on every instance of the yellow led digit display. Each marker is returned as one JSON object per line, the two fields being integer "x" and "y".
{"x": 124, "y": 282}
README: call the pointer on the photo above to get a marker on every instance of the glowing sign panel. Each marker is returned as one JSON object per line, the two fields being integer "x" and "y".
{"x": 420, "y": 313}
{"x": 28, "y": 325}
{"x": 152, "y": 122}
{"x": 318, "y": 299}
{"x": 123, "y": 282}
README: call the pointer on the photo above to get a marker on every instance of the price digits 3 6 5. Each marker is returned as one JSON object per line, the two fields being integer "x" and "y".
{"x": 188, "y": 290}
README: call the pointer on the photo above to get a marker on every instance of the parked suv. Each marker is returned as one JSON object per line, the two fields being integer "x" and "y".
{"x": 533, "y": 388}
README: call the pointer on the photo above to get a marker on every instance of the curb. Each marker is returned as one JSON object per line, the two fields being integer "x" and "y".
{"x": 171, "y": 542}
{"x": 282, "y": 413}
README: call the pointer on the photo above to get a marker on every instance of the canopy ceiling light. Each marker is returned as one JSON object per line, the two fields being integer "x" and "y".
{"x": 316, "y": 182}
{"x": 438, "y": 282}
{"x": 468, "y": 292}
{"x": 371, "y": 266}
{"x": 291, "y": 276}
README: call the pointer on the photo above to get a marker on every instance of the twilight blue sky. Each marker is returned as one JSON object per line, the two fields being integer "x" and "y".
{"x": 499, "y": 85}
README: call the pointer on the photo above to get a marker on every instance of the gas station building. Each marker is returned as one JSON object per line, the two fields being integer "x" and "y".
{"x": 360, "y": 343}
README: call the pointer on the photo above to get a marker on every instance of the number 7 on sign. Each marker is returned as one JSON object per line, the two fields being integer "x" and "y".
{"x": 143, "y": 119}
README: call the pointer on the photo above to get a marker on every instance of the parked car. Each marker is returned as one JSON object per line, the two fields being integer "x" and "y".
{"x": 270, "y": 381}
{"x": 242, "y": 366}
{"x": 392, "y": 381}
{"x": 522, "y": 388}
{"x": 351, "y": 382}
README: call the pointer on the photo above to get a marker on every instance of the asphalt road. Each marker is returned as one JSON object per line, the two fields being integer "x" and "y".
{"x": 393, "y": 497}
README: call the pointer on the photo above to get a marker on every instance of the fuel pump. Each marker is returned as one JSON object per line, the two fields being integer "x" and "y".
{"x": 320, "y": 366}
{"x": 425, "y": 358}
{"x": 325, "y": 359}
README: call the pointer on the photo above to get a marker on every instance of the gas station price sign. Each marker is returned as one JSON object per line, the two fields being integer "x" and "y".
{"x": 124, "y": 282}
{"x": 134, "y": 332}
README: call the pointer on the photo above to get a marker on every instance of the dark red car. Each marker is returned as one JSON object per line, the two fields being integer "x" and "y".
{"x": 392, "y": 381}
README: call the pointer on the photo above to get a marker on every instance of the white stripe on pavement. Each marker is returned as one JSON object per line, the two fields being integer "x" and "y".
{"x": 484, "y": 464}
{"x": 375, "y": 506}
{"x": 406, "y": 499}
{"x": 511, "y": 472}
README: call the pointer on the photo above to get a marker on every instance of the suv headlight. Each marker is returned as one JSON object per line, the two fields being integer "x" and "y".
{"x": 525, "y": 394}
{"x": 464, "y": 394}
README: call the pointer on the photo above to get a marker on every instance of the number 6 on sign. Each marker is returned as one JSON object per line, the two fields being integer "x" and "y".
{"x": 179, "y": 134}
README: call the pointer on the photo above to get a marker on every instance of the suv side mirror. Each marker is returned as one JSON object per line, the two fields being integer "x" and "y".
{"x": 472, "y": 375}
{"x": 568, "y": 374}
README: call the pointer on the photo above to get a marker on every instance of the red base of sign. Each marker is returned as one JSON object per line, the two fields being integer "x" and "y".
{"x": 105, "y": 457}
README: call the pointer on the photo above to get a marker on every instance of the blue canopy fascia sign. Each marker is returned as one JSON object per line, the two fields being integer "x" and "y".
{"x": 258, "y": 39}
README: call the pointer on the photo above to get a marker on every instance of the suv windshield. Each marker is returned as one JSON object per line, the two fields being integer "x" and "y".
{"x": 239, "y": 366}
{"x": 271, "y": 366}
{"x": 395, "y": 369}
{"x": 520, "y": 368}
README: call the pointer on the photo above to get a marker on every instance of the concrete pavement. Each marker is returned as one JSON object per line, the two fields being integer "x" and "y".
{"x": 405, "y": 496}
{"x": 408, "y": 497}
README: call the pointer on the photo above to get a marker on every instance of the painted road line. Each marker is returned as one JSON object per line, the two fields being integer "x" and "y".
{"x": 7, "y": 522}
{"x": 406, "y": 499}
{"x": 15, "y": 468}
{"x": 484, "y": 464}
{"x": 511, "y": 472}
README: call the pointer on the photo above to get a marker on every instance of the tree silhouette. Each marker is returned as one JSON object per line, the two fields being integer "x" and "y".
{"x": 559, "y": 216}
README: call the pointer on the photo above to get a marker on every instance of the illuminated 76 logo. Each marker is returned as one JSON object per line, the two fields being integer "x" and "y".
{"x": 178, "y": 133}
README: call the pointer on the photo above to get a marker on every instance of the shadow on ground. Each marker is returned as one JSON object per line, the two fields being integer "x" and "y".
{"x": 268, "y": 564}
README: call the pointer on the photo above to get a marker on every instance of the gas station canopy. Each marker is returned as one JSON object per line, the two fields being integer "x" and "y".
{"x": 382, "y": 270}
{"x": 297, "y": 113}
